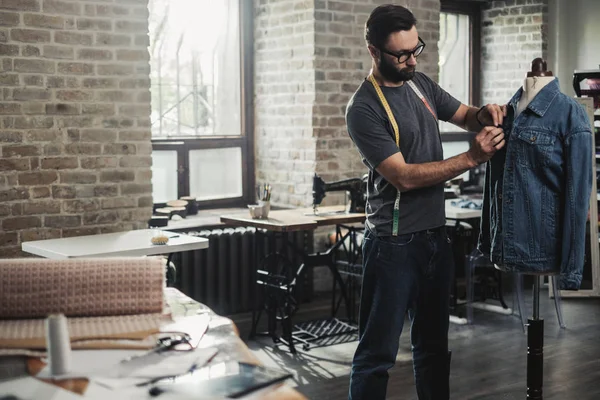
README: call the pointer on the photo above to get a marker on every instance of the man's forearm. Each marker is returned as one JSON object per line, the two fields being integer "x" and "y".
{"x": 415, "y": 176}
{"x": 471, "y": 122}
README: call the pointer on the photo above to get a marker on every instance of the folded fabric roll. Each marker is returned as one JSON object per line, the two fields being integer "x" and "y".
{"x": 113, "y": 332}
{"x": 35, "y": 288}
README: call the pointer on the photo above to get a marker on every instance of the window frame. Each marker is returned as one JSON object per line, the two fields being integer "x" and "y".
{"x": 183, "y": 145}
{"x": 473, "y": 9}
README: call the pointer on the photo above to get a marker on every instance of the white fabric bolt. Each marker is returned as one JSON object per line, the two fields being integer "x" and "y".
{"x": 58, "y": 344}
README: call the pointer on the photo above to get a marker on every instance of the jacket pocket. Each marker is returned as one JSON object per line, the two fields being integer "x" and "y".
{"x": 533, "y": 147}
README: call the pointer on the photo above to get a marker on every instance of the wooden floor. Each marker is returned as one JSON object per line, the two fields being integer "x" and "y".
{"x": 489, "y": 357}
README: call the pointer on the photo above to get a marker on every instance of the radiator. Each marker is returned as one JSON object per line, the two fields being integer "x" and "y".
{"x": 223, "y": 275}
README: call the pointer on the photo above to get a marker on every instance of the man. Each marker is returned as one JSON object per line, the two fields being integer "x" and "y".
{"x": 407, "y": 260}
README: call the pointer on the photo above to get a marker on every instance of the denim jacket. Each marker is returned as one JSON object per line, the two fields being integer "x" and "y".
{"x": 537, "y": 189}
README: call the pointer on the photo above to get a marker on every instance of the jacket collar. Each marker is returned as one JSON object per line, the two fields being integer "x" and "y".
{"x": 541, "y": 101}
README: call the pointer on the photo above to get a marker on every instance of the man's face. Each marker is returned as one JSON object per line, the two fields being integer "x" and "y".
{"x": 398, "y": 44}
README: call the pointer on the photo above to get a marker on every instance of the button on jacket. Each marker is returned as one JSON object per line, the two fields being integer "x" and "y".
{"x": 537, "y": 189}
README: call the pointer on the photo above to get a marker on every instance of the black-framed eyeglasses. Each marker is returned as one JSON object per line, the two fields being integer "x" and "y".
{"x": 403, "y": 56}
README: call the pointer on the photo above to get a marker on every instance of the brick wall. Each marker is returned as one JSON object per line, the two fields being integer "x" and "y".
{"x": 285, "y": 91}
{"x": 310, "y": 57}
{"x": 74, "y": 119}
{"x": 514, "y": 33}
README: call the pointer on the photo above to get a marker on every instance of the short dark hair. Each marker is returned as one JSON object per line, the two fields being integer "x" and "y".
{"x": 385, "y": 20}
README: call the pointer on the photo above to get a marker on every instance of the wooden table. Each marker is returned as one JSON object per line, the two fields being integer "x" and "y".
{"x": 304, "y": 219}
{"x": 222, "y": 334}
{"x": 120, "y": 244}
{"x": 299, "y": 219}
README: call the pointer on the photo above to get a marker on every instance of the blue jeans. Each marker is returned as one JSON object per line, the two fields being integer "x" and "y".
{"x": 407, "y": 273}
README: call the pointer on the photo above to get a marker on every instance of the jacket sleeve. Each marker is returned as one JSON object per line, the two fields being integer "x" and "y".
{"x": 578, "y": 186}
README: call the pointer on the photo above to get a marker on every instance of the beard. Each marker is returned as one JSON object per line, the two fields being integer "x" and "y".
{"x": 393, "y": 74}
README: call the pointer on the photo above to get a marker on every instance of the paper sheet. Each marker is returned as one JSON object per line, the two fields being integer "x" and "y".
{"x": 108, "y": 368}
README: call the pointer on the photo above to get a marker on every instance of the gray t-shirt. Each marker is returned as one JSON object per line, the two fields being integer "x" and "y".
{"x": 420, "y": 142}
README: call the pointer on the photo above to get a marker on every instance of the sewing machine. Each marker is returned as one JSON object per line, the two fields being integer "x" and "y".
{"x": 357, "y": 187}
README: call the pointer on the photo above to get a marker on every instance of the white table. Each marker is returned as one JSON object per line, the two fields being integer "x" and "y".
{"x": 457, "y": 213}
{"x": 221, "y": 334}
{"x": 121, "y": 244}
{"x": 453, "y": 212}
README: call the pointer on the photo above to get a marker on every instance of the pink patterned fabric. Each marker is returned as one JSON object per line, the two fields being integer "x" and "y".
{"x": 35, "y": 288}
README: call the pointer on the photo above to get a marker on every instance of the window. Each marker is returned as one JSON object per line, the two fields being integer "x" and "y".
{"x": 200, "y": 84}
{"x": 459, "y": 54}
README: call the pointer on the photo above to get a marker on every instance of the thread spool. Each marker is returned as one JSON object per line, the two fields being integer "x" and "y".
{"x": 58, "y": 344}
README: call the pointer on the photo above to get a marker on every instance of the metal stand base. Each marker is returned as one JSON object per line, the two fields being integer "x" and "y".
{"x": 535, "y": 347}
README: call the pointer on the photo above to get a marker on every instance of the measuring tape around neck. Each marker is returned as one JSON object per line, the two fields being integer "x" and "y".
{"x": 390, "y": 115}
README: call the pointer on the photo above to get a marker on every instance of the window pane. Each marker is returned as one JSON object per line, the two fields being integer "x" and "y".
{"x": 164, "y": 175}
{"x": 452, "y": 149}
{"x": 195, "y": 67}
{"x": 216, "y": 173}
{"x": 454, "y": 48}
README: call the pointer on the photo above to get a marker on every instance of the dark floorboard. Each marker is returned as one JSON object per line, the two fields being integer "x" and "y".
{"x": 489, "y": 359}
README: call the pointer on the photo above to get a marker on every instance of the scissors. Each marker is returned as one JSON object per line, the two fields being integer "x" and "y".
{"x": 175, "y": 342}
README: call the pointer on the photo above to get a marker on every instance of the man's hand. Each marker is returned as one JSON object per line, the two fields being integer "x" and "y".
{"x": 492, "y": 114}
{"x": 487, "y": 142}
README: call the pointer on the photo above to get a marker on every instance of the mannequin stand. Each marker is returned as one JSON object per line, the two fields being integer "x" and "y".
{"x": 535, "y": 347}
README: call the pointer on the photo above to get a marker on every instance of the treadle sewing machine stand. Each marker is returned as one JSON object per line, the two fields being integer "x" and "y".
{"x": 276, "y": 274}
{"x": 351, "y": 266}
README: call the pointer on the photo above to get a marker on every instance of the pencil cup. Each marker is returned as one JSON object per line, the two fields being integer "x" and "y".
{"x": 260, "y": 210}
{"x": 266, "y": 207}
{"x": 58, "y": 344}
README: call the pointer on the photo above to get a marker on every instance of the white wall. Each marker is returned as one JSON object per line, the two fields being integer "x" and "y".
{"x": 573, "y": 39}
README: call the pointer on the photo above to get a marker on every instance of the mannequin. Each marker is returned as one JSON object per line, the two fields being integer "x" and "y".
{"x": 536, "y": 79}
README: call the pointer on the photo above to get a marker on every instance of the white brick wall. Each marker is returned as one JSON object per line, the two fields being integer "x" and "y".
{"x": 285, "y": 92}
{"x": 74, "y": 119}
{"x": 514, "y": 34}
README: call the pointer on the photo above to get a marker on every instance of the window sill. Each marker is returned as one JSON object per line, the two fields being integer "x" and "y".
{"x": 205, "y": 219}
